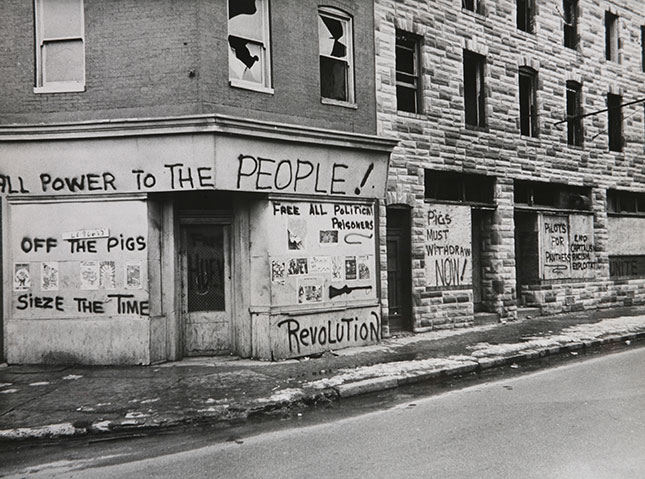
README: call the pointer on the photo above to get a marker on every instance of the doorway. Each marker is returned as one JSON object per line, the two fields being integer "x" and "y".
{"x": 205, "y": 287}
{"x": 399, "y": 269}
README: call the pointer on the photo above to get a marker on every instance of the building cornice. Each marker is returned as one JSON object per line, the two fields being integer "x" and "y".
{"x": 194, "y": 124}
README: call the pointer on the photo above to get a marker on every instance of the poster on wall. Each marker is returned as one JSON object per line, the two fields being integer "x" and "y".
{"x": 107, "y": 275}
{"x": 89, "y": 273}
{"x": 278, "y": 271}
{"x": 133, "y": 275}
{"x": 21, "y": 277}
{"x": 448, "y": 246}
{"x": 567, "y": 248}
{"x": 49, "y": 276}
{"x": 329, "y": 250}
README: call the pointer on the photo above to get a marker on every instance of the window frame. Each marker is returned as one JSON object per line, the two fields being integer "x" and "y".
{"x": 456, "y": 187}
{"x": 612, "y": 43}
{"x": 551, "y": 196}
{"x": 570, "y": 19}
{"x": 575, "y": 135}
{"x": 350, "y": 92}
{"x": 525, "y": 17}
{"x": 40, "y": 42}
{"x": 527, "y": 91}
{"x": 615, "y": 137}
{"x": 477, "y": 6}
{"x": 477, "y": 99}
{"x": 413, "y": 45}
{"x": 266, "y": 85}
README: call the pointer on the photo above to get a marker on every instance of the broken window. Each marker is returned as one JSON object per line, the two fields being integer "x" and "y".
{"x": 60, "y": 46}
{"x": 611, "y": 37}
{"x": 472, "y": 5}
{"x": 249, "y": 63}
{"x": 615, "y": 122}
{"x": 474, "y": 89}
{"x": 574, "y": 113}
{"x": 539, "y": 194}
{"x": 525, "y": 15}
{"x": 407, "y": 72}
{"x": 570, "y": 17}
{"x": 336, "y": 55}
{"x": 457, "y": 186}
{"x": 528, "y": 108}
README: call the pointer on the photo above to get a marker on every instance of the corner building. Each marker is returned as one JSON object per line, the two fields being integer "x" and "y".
{"x": 188, "y": 178}
{"x": 517, "y": 186}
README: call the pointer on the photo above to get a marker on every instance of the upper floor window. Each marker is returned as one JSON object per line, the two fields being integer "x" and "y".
{"x": 474, "y": 98}
{"x": 249, "y": 58}
{"x": 472, "y": 5}
{"x": 60, "y": 49}
{"x": 615, "y": 122}
{"x": 336, "y": 55}
{"x": 407, "y": 73}
{"x": 574, "y": 113}
{"x": 525, "y": 13}
{"x": 611, "y": 37}
{"x": 643, "y": 48}
{"x": 570, "y": 8}
{"x": 528, "y": 108}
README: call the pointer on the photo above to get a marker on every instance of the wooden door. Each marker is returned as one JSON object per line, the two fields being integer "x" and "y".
{"x": 206, "y": 289}
{"x": 399, "y": 269}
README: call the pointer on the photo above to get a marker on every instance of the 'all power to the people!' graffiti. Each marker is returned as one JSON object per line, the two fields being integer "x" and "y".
{"x": 188, "y": 162}
{"x": 448, "y": 258}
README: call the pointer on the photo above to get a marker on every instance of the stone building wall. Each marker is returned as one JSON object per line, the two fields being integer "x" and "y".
{"x": 438, "y": 139}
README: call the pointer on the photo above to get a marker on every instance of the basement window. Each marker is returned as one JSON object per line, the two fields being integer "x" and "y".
{"x": 574, "y": 113}
{"x": 407, "y": 72}
{"x": 615, "y": 122}
{"x": 570, "y": 17}
{"x": 336, "y": 55}
{"x": 474, "y": 99}
{"x": 60, "y": 46}
{"x": 611, "y": 37}
{"x": 249, "y": 64}
{"x": 528, "y": 108}
{"x": 452, "y": 186}
{"x": 551, "y": 196}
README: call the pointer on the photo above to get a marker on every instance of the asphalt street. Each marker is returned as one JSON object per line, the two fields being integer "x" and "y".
{"x": 582, "y": 420}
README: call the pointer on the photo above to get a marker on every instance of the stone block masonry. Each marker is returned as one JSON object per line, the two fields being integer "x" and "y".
{"x": 437, "y": 138}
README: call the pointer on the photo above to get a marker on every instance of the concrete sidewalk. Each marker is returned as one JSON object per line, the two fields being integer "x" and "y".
{"x": 53, "y": 401}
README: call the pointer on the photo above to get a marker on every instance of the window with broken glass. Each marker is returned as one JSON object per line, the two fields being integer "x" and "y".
{"x": 611, "y": 37}
{"x": 528, "y": 108}
{"x": 336, "y": 55}
{"x": 249, "y": 59}
{"x": 472, "y": 5}
{"x": 407, "y": 73}
{"x": 615, "y": 122}
{"x": 574, "y": 113}
{"x": 551, "y": 196}
{"x": 570, "y": 17}
{"x": 474, "y": 89}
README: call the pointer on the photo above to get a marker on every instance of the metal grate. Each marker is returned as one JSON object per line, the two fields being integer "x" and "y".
{"x": 205, "y": 268}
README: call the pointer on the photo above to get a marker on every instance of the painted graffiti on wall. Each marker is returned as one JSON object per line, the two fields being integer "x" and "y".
{"x": 299, "y": 336}
{"x": 62, "y": 272}
{"x": 567, "y": 246}
{"x": 448, "y": 246}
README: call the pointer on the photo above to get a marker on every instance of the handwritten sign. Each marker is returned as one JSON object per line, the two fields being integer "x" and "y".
{"x": 448, "y": 245}
{"x": 567, "y": 249}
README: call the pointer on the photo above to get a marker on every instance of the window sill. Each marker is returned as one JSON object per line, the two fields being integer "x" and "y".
{"x": 344, "y": 104}
{"x": 409, "y": 114}
{"x": 479, "y": 15}
{"x": 483, "y": 129}
{"x": 60, "y": 88}
{"x": 626, "y": 214}
{"x": 551, "y": 209}
{"x": 250, "y": 86}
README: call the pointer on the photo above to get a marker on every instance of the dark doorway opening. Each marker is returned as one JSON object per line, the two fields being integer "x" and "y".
{"x": 399, "y": 269}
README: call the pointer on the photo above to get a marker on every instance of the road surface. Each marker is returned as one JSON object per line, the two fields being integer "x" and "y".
{"x": 582, "y": 420}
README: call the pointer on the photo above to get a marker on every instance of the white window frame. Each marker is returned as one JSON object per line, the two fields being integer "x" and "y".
{"x": 265, "y": 86}
{"x": 347, "y": 22}
{"x": 41, "y": 41}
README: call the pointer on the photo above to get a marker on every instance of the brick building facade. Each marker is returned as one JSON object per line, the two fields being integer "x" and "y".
{"x": 188, "y": 178}
{"x": 545, "y": 213}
